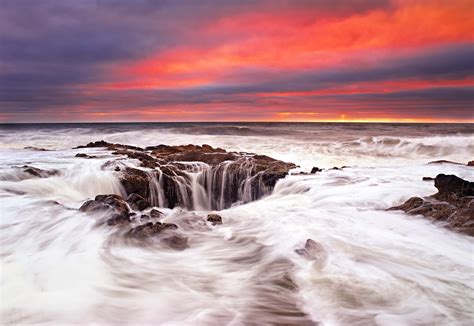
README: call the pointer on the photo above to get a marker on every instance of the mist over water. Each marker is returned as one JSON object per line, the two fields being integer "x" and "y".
{"x": 58, "y": 266}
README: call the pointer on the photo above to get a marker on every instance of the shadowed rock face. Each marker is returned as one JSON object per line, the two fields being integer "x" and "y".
{"x": 453, "y": 204}
{"x": 452, "y": 188}
{"x": 196, "y": 177}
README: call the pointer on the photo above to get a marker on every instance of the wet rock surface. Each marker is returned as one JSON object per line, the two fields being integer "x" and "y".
{"x": 170, "y": 176}
{"x": 150, "y": 229}
{"x": 137, "y": 202}
{"x": 214, "y": 219}
{"x": 176, "y": 242}
{"x": 39, "y": 173}
{"x": 106, "y": 203}
{"x": 453, "y": 204}
{"x": 154, "y": 213}
{"x": 84, "y": 155}
{"x": 313, "y": 251}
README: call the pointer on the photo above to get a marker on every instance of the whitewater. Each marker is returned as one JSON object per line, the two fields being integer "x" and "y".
{"x": 59, "y": 267}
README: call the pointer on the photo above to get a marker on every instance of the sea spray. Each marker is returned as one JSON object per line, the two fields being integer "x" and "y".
{"x": 382, "y": 268}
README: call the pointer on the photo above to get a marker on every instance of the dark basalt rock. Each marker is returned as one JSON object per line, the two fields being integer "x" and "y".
{"x": 150, "y": 229}
{"x": 453, "y": 204}
{"x": 137, "y": 202}
{"x": 33, "y": 148}
{"x": 146, "y": 160}
{"x": 100, "y": 143}
{"x": 451, "y": 187}
{"x": 315, "y": 169}
{"x": 444, "y": 162}
{"x": 84, "y": 155}
{"x": 110, "y": 146}
{"x": 214, "y": 219}
{"x": 118, "y": 219}
{"x": 428, "y": 178}
{"x": 176, "y": 242}
{"x": 92, "y": 206}
{"x": 136, "y": 181}
{"x": 154, "y": 213}
{"x": 227, "y": 177}
{"x": 470, "y": 163}
{"x": 39, "y": 173}
{"x": 113, "y": 203}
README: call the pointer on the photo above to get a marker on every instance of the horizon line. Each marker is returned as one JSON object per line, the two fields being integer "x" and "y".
{"x": 244, "y": 121}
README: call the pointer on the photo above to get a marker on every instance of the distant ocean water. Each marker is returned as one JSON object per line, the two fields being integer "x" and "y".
{"x": 382, "y": 268}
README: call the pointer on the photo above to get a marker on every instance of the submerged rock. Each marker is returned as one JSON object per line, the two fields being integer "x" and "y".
{"x": 176, "y": 242}
{"x": 313, "y": 251}
{"x": 214, "y": 219}
{"x": 91, "y": 206}
{"x": 84, "y": 155}
{"x": 39, "y": 173}
{"x": 150, "y": 229}
{"x": 154, "y": 213}
{"x": 33, "y": 148}
{"x": 118, "y": 219}
{"x": 453, "y": 204}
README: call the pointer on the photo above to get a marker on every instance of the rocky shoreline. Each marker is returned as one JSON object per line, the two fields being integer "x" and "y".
{"x": 211, "y": 179}
{"x": 452, "y": 205}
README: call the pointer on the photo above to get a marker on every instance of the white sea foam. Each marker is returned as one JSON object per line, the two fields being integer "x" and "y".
{"x": 380, "y": 268}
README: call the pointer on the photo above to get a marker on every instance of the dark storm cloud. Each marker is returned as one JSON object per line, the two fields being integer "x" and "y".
{"x": 54, "y": 53}
{"x": 439, "y": 63}
{"x": 452, "y": 62}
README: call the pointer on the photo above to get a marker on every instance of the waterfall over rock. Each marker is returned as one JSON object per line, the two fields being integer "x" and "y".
{"x": 197, "y": 177}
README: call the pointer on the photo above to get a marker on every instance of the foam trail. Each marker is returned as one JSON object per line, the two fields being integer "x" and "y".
{"x": 370, "y": 267}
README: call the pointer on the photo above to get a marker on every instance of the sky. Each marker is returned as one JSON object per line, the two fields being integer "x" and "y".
{"x": 143, "y": 60}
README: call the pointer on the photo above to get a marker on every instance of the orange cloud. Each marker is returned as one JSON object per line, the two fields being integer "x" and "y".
{"x": 296, "y": 40}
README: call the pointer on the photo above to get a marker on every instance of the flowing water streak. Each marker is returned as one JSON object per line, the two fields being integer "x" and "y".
{"x": 205, "y": 187}
{"x": 381, "y": 268}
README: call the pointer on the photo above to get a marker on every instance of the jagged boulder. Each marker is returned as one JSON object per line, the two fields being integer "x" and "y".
{"x": 451, "y": 187}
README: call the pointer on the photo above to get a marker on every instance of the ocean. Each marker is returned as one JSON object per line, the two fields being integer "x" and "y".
{"x": 58, "y": 266}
